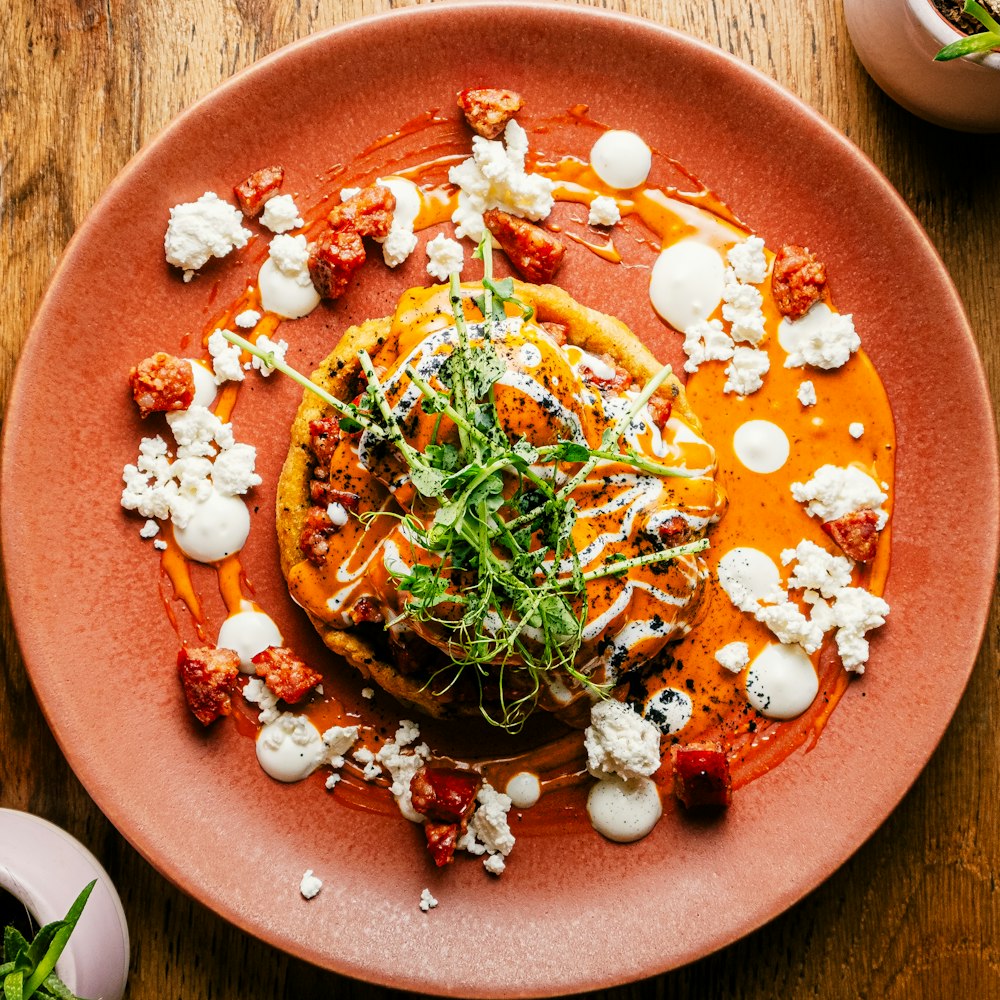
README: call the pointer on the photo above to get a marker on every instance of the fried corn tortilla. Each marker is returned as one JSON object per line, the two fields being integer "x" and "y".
{"x": 340, "y": 374}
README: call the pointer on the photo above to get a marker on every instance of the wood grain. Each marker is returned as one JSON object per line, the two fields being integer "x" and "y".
{"x": 84, "y": 84}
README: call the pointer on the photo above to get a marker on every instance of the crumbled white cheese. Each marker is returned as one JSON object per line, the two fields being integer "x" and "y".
{"x": 807, "y": 393}
{"x": 854, "y": 612}
{"x": 494, "y": 177}
{"x": 745, "y": 374}
{"x": 149, "y": 486}
{"x": 363, "y": 756}
{"x": 225, "y": 359}
{"x": 834, "y": 491}
{"x": 337, "y": 740}
{"x": 279, "y": 348}
{"x": 856, "y": 429}
{"x": 407, "y": 733}
{"x": 620, "y": 741}
{"x": 817, "y": 569}
{"x": 488, "y": 830}
{"x": 310, "y": 885}
{"x": 734, "y": 656}
{"x": 444, "y": 257}
{"x": 149, "y": 530}
{"x": 427, "y": 901}
{"x": 748, "y": 260}
{"x": 604, "y": 211}
{"x": 788, "y": 623}
{"x": 196, "y": 430}
{"x": 332, "y": 780}
{"x": 821, "y": 338}
{"x": 247, "y": 319}
{"x": 258, "y": 693}
{"x": 741, "y": 308}
{"x": 160, "y": 545}
{"x": 402, "y": 766}
{"x": 199, "y": 230}
{"x": 495, "y": 864}
{"x": 233, "y": 470}
{"x": 157, "y": 488}
{"x": 368, "y": 692}
{"x": 290, "y": 255}
{"x": 398, "y": 245}
{"x": 705, "y": 340}
{"x": 280, "y": 214}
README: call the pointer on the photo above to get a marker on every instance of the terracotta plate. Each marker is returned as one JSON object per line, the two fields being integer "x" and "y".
{"x": 85, "y": 590}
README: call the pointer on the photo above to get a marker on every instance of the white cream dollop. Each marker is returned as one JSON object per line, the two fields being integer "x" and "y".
{"x": 290, "y": 748}
{"x": 621, "y": 159}
{"x": 624, "y": 811}
{"x": 762, "y": 446}
{"x": 687, "y": 282}
{"x": 748, "y": 575}
{"x": 781, "y": 682}
{"x": 285, "y": 285}
{"x": 524, "y": 790}
{"x": 218, "y": 527}
{"x": 248, "y": 633}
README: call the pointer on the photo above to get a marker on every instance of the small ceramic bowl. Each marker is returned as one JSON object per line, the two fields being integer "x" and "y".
{"x": 45, "y": 868}
{"x": 897, "y": 41}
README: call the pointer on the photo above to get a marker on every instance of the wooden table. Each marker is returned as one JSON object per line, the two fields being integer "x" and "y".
{"x": 84, "y": 84}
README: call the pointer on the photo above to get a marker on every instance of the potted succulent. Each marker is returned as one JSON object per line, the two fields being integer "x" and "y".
{"x": 899, "y": 42}
{"x": 28, "y": 968}
{"x": 50, "y": 881}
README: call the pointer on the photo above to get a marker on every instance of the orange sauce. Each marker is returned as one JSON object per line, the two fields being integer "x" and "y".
{"x": 761, "y": 511}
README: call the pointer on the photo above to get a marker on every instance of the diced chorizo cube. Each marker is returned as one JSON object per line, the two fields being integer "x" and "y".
{"x": 324, "y": 436}
{"x": 162, "y": 383}
{"x": 534, "y": 253}
{"x": 488, "y": 109}
{"x": 333, "y": 259}
{"x": 559, "y": 332}
{"x": 441, "y": 841}
{"x": 701, "y": 775}
{"x": 314, "y": 540}
{"x": 445, "y": 794}
{"x": 258, "y": 188}
{"x": 660, "y": 407}
{"x": 856, "y": 534}
{"x": 673, "y": 529}
{"x": 368, "y": 213}
{"x": 366, "y": 610}
{"x": 209, "y": 677}
{"x": 289, "y": 677}
{"x": 797, "y": 281}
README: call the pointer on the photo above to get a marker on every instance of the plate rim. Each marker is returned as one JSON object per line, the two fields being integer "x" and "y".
{"x": 164, "y": 135}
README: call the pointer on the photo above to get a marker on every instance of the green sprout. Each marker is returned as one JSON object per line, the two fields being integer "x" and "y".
{"x": 982, "y": 41}
{"x": 28, "y": 968}
{"x": 504, "y": 583}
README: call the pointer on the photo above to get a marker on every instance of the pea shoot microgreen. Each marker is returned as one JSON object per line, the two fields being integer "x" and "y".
{"x": 982, "y": 41}
{"x": 28, "y": 968}
{"x": 502, "y": 580}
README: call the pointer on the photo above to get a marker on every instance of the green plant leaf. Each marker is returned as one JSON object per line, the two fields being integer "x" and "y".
{"x": 982, "y": 15}
{"x": 45, "y": 967}
{"x": 14, "y": 942}
{"x": 13, "y": 986}
{"x": 982, "y": 42}
{"x": 57, "y": 989}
